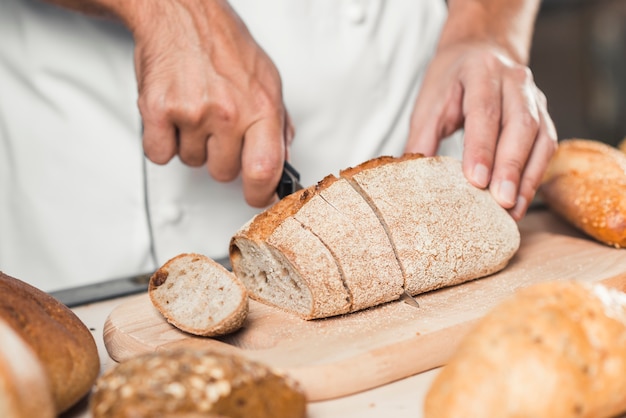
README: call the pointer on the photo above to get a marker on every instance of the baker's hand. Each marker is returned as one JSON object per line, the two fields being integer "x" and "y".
{"x": 210, "y": 94}
{"x": 509, "y": 136}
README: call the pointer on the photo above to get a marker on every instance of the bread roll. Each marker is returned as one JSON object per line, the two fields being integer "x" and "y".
{"x": 383, "y": 227}
{"x": 585, "y": 183}
{"x": 553, "y": 350}
{"x": 199, "y": 296}
{"x": 24, "y": 387}
{"x": 63, "y": 344}
{"x": 189, "y": 383}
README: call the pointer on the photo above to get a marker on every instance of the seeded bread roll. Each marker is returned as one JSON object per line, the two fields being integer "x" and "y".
{"x": 63, "y": 344}
{"x": 359, "y": 240}
{"x": 199, "y": 296}
{"x": 194, "y": 383}
{"x": 553, "y": 350}
{"x": 24, "y": 387}
{"x": 585, "y": 183}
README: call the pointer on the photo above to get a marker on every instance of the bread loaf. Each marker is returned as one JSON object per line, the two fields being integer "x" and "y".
{"x": 361, "y": 239}
{"x": 199, "y": 296}
{"x": 61, "y": 342}
{"x": 553, "y": 350}
{"x": 585, "y": 183}
{"x": 24, "y": 387}
{"x": 186, "y": 383}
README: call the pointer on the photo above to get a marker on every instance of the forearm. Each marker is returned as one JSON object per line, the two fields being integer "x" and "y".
{"x": 104, "y": 8}
{"x": 507, "y": 24}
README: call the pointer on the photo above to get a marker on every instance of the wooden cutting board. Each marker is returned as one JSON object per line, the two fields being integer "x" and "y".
{"x": 351, "y": 353}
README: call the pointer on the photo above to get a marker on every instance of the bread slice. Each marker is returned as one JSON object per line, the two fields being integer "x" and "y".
{"x": 444, "y": 230}
{"x": 555, "y": 349}
{"x": 24, "y": 388}
{"x": 384, "y": 226}
{"x": 198, "y": 295}
{"x": 585, "y": 183}
{"x": 348, "y": 227}
{"x": 284, "y": 264}
{"x": 186, "y": 383}
{"x": 62, "y": 343}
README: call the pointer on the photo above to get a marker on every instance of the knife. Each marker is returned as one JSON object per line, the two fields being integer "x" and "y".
{"x": 290, "y": 183}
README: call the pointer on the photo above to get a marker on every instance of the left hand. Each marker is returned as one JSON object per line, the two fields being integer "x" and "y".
{"x": 509, "y": 135}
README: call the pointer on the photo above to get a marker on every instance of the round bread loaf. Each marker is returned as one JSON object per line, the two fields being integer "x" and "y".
{"x": 63, "y": 344}
{"x": 24, "y": 387}
{"x": 194, "y": 383}
{"x": 553, "y": 350}
{"x": 199, "y": 296}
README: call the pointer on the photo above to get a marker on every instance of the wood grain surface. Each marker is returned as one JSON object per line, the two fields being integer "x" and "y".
{"x": 343, "y": 355}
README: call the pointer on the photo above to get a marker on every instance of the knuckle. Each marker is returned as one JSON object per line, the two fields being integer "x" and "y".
{"x": 521, "y": 73}
{"x": 262, "y": 171}
{"x": 529, "y": 120}
{"x": 223, "y": 174}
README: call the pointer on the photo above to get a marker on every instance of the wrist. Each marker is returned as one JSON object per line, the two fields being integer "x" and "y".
{"x": 507, "y": 25}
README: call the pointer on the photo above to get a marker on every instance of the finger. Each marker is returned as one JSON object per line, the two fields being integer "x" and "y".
{"x": 540, "y": 156}
{"x": 262, "y": 160}
{"x": 192, "y": 146}
{"x": 159, "y": 140}
{"x": 520, "y": 126}
{"x": 482, "y": 106}
{"x": 224, "y": 155}
{"x": 436, "y": 116}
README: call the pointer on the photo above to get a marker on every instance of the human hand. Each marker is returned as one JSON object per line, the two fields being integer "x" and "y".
{"x": 209, "y": 93}
{"x": 509, "y": 135}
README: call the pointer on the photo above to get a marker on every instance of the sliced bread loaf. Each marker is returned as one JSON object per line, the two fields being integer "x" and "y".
{"x": 389, "y": 224}
{"x": 199, "y": 296}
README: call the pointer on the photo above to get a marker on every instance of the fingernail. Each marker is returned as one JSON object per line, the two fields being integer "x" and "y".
{"x": 520, "y": 207}
{"x": 480, "y": 175}
{"x": 507, "y": 192}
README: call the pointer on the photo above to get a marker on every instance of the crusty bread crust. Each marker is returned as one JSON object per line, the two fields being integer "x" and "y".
{"x": 552, "y": 350}
{"x": 585, "y": 183}
{"x": 24, "y": 388}
{"x": 188, "y": 383}
{"x": 61, "y": 341}
{"x": 199, "y": 296}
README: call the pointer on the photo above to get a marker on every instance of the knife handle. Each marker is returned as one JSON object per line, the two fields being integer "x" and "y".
{"x": 289, "y": 181}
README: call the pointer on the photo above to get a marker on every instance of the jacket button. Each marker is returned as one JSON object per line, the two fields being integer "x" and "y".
{"x": 171, "y": 214}
{"x": 356, "y": 11}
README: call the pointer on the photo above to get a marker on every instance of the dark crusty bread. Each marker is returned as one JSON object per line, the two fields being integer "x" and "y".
{"x": 552, "y": 350}
{"x": 585, "y": 183}
{"x": 186, "y": 383}
{"x": 60, "y": 340}
{"x": 361, "y": 239}
{"x": 199, "y": 296}
{"x": 24, "y": 387}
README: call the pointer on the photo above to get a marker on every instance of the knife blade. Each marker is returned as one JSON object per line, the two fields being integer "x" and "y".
{"x": 289, "y": 181}
{"x": 409, "y": 300}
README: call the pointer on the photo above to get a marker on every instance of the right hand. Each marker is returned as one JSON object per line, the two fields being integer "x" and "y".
{"x": 210, "y": 94}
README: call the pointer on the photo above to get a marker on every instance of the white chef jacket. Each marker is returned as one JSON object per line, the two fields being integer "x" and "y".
{"x": 79, "y": 203}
